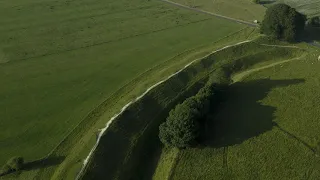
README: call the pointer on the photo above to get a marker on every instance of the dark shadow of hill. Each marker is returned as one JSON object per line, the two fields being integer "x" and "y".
{"x": 242, "y": 116}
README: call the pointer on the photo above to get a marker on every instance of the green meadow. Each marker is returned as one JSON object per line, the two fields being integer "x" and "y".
{"x": 67, "y": 67}
{"x": 244, "y": 9}
{"x": 64, "y": 64}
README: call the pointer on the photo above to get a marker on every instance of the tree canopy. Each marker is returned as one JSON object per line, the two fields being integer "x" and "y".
{"x": 181, "y": 128}
{"x": 283, "y": 22}
{"x": 185, "y": 122}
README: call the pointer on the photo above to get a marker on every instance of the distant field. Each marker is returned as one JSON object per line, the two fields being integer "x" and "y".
{"x": 244, "y": 9}
{"x": 307, "y": 7}
{"x": 62, "y": 59}
{"x": 267, "y": 129}
{"x": 249, "y": 11}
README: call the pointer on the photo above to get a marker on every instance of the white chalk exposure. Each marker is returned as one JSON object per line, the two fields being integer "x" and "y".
{"x": 102, "y": 131}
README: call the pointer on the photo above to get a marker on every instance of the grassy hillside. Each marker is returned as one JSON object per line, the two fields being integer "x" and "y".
{"x": 270, "y": 134}
{"x": 124, "y": 147}
{"x": 61, "y": 60}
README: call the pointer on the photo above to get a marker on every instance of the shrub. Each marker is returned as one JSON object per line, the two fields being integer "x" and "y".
{"x": 5, "y": 170}
{"x": 283, "y": 22}
{"x": 181, "y": 128}
{"x": 15, "y": 163}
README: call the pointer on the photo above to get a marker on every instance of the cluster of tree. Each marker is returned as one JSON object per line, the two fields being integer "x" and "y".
{"x": 314, "y": 22}
{"x": 14, "y": 164}
{"x": 283, "y": 22}
{"x": 185, "y": 122}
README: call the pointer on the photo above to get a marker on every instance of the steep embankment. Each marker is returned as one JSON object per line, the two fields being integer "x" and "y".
{"x": 130, "y": 147}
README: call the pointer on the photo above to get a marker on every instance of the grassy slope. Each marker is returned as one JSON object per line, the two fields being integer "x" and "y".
{"x": 272, "y": 132}
{"x": 244, "y": 9}
{"x": 140, "y": 145}
{"x": 126, "y": 157}
{"x": 63, "y": 62}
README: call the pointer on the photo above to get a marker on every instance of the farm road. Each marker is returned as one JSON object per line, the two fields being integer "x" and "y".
{"x": 210, "y": 13}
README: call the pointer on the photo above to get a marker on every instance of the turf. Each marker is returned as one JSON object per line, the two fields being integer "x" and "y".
{"x": 272, "y": 132}
{"x": 244, "y": 9}
{"x": 137, "y": 139}
{"x": 62, "y": 59}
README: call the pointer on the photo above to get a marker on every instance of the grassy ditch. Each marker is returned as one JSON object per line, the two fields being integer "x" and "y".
{"x": 130, "y": 147}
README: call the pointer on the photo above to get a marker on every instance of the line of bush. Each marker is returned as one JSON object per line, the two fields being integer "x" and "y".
{"x": 14, "y": 164}
{"x": 185, "y": 123}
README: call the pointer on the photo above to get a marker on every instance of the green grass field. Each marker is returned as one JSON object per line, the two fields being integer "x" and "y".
{"x": 266, "y": 129}
{"x": 310, "y": 8}
{"x": 137, "y": 138}
{"x": 244, "y": 9}
{"x": 61, "y": 60}
{"x": 66, "y": 67}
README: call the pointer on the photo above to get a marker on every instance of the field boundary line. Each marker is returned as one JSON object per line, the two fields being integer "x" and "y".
{"x": 138, "y": 98}
{"x": 225, "y": 159}
{"x": 174, "y": 166}
{"x": 298, "y": 140}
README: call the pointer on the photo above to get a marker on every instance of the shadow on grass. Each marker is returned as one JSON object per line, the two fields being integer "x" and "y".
{"x": 33, "y": 165}
{"x": 242, "y": 115}
{"x": 267, "y": 2}
{"x": 43, "y": 163}
{"x": 311, "y": 34}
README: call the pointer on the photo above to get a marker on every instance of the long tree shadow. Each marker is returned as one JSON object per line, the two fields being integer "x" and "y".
{"x": 242, "y": 115}
{"x": 311, "y": 34}
{"x": 36, "y": 164}
{"x": 43, "y": 163}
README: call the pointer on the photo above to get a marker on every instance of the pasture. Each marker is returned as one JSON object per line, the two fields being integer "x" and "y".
{"x": 137, "y": 139}
{"x": 310, "y": 8}
{"x": 244, "y": 9}
{"x": 272, "y": 132}
{"x": 68, "y": 66}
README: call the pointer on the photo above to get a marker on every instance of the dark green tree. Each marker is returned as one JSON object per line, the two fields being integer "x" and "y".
{"x": 181, "y": 128}
{"x": 283, "y": 22}
{"x": 15, "y": 163}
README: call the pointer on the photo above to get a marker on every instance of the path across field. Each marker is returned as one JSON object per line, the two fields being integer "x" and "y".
{"x": 212, "y": 14}
{"x": 223, "y": 17}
